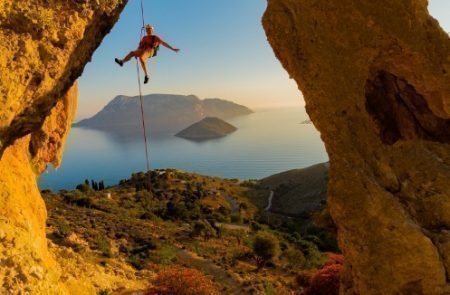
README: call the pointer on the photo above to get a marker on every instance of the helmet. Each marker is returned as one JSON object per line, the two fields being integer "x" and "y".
{"x": 149, "y": 27}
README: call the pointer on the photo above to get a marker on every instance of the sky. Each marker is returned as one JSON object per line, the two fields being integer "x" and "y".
{"x": 224, "y": 54}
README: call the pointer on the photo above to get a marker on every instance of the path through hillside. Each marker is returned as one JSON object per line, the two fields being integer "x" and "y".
{"x": 269, "y": 203}
{"x": 209, "y": 268}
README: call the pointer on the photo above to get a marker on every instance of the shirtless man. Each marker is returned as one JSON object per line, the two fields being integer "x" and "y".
{"x": 146, "y": 49}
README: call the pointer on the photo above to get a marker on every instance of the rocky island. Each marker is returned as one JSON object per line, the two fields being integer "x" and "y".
{"x": 164, "y": 113}
{"x": 208, "y": 128}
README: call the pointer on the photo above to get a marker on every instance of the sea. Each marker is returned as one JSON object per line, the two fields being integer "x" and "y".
{"x": 266, "y": 142}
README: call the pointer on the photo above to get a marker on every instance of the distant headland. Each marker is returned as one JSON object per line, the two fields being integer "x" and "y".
{"x": 164, "y": 113}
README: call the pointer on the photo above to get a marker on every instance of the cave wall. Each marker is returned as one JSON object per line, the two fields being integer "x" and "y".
{"x": 26, "y": 264}
{"x": 375, "y": 78}
{"x": 44, "y": 47}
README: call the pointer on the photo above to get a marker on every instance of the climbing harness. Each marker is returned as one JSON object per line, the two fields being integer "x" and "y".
{"x": 155, "y": 48}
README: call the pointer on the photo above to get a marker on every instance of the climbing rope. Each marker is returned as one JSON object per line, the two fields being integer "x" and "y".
{"x": 142, "y": 15}
{"x": 142, "y": 102}
{"x": 142, "y": 115}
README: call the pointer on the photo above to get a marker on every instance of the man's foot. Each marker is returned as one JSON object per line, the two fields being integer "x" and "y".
{"x": 119, "y": 62}
{"x": 145, "y": 79}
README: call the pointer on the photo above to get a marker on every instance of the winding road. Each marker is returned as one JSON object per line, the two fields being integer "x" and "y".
{"x": 269, "y": 205}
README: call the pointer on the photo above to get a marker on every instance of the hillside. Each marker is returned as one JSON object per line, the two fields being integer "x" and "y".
{"x": 184, "y": 220}
{"x": 296, "y": 192}
{"x": 208, "y": 128}
{"x": 164, "y": 113}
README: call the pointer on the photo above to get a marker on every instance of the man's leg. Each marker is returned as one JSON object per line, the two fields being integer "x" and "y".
{"x": 134, "y": 53}
{"x": 130, "y": 55}
{"x": 143, "y": 58}
{"x": 144, "y": 67}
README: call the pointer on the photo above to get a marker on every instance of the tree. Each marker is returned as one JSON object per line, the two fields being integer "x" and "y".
{"x": 265, "y": 247}
{"x": 101, "y": 186}
{"x": 94, "y": 185}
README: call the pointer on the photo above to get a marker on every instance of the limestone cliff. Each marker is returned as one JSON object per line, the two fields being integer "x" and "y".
{"x": 44, "y": 47}
{"x": 26, "y": 263}
{"x": 376, "y": 80}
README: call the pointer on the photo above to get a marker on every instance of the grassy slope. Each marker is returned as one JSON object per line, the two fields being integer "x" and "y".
{"x": 134, "y": 227}
{"x": 297, "y": 191}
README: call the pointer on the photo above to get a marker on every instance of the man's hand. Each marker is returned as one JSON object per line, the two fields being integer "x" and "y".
{"x": 176, "y": 49}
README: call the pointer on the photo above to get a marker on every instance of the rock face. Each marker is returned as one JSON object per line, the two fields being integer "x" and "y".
{"x": 375, "y": 76}
{"x": 164, "y": 113}
{"x": 44, "y": 47}
{"x": 208, "y": 128}
{"x": 376, "y": 80}
{"x": 23, "y": 244}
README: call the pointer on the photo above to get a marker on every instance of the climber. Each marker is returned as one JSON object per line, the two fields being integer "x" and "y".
{"x": 148, "y": 48}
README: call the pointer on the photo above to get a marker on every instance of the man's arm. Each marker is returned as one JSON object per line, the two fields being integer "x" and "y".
{"x": 168, "y": 46}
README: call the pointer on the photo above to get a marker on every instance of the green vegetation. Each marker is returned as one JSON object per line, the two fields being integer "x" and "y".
{"x": 266, "y": 247}
{"x": 63, "y": 229}
{"x": 103, "y": 246}
{"x": 171, "y": 218}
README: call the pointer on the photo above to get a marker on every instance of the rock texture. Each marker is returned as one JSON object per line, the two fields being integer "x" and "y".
{"x": 26, "y": 263}
{"x": 376, "y": 80}
{"x": 44, "y": 47}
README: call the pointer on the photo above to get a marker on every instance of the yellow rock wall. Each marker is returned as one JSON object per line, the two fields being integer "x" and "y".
{"x": 44, "y": 46}
{"x": 375, "y": 76}
{"x": 376, "y": 80}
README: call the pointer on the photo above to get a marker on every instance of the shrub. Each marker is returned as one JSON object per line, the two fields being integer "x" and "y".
{"x": 296, "y": 258}
{"x": 63, "y": 229}
{"x": 83, "y": 188}
{"x": 265, "y": 247}
{"x": 237, "y": 218}
{"x": 203, "y": 228}
{"x": 314, "y": 258}
{"x": 255, "y": 226}
{"x": 176, "y": 210}
{"x": 182, "y": 281}
{"x": 77, "y": 198}
{"x": 137, "y": 261}
{"x": 326, "y": 280}
{"x": 166, "y": 255}
{"x": 103, "y": 246}
{"x": 251, "y": 183}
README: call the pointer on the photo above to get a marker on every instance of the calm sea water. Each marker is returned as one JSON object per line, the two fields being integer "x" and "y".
{"x": 266, "y": 142}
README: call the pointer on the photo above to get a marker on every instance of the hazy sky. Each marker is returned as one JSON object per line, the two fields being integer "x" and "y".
{"x": 224, "y": 53}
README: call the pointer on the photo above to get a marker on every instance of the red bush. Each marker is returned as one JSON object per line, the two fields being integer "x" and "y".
{"x": 182, "y": 281}
{"x": 326, "y": 280}
{"x": 334, "y": 259}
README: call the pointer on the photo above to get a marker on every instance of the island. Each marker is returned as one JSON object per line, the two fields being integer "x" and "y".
{"x": 207, "y": 128}
{"x": 164, "y": 113}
